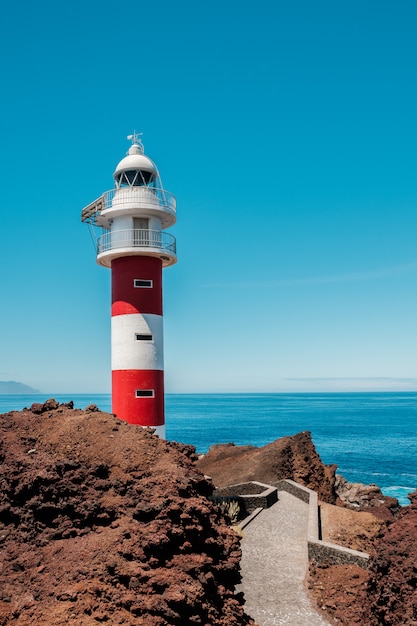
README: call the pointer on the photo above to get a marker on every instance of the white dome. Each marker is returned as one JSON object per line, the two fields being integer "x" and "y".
{"x": 136, "y": 162}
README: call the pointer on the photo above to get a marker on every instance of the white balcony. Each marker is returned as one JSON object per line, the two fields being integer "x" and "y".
{"x": 136, "y": 242}
{"x": 130, "y": 200}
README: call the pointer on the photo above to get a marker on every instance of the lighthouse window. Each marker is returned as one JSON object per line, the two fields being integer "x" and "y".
{"x": 134, "y": 178}
{"x": 145, "y": 393}
{"x": 141, "y": 282}
{"x": 143, "y": 337}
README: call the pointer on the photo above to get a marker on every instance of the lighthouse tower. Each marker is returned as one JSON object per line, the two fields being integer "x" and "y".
{"x": 132, "y": 242}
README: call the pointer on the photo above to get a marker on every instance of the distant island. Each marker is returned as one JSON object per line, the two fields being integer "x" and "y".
{"x": 13, "y": 387}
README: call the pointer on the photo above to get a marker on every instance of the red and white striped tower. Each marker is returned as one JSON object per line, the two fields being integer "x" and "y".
{"x": 133, "y": 217}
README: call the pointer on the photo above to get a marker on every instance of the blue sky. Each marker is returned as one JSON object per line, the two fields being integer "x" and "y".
{"x": 287, "y": 132}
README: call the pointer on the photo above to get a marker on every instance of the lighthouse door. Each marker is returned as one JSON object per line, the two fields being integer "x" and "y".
{"x": 141, "y": 230}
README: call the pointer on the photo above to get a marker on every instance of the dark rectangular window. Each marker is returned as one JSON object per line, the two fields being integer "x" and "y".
{"x": 142, "y": 282}
{"x": 145, "y": 393}
{"x": 143, "y": 337}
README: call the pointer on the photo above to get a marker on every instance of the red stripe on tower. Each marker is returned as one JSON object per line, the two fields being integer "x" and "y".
{"x": 136, "y": 285}
{"x": 140, "y": 395}
{"x": 133, "y": 217}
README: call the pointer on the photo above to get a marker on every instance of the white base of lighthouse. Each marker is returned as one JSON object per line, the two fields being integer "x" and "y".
{"x": 159, "y": 430}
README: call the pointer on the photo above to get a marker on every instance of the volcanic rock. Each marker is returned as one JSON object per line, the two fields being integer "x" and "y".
{"x": 101, "y": 521}
{"x": 392, "y": 583}
{"x": 361, "y": 497}
{"x": 293, "y": 457}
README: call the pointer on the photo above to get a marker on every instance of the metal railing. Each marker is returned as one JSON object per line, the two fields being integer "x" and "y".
{"x": 140, "y": 195}
{"x": 137, "y": 238}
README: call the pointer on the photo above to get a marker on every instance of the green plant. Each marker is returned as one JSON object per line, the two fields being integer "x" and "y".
{"x": 231, "y": 510}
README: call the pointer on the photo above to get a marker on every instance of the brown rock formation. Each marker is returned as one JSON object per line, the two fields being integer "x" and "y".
{"x": 392, "y": 583}
{"x": 289, "y": 457}
{"x": 359, "y": 497}
{"x": 101, "y": 521}
{"x": 384, "y": 595}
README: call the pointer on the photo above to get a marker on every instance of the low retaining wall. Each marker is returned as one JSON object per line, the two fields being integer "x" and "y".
{"x": 317, "y": 549}
{"x": 251, "y": 495}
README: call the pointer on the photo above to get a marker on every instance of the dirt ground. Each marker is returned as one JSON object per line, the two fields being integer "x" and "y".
{"x": 352, "y": 529}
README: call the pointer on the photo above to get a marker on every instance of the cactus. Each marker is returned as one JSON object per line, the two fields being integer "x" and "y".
{"x": 231, "y": 510}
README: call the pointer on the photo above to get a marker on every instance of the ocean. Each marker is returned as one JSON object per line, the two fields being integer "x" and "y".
{"x": 371, "y": 437}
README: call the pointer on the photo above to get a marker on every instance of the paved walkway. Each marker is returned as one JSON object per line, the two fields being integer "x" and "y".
{"x": 274, "y": 564}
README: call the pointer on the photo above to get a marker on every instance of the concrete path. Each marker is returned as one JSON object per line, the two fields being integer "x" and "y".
{"x": 274, "y": 564}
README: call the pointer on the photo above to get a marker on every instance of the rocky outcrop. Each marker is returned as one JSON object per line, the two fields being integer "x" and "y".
{"x": 289, "y": 457}
{"x": 102, "y": 522}
{"x": 360, "y": 497}
{"x": 392, "y": 583}
{"x": 294, "y": 458}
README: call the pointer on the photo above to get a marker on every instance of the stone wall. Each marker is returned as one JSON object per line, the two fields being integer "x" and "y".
{"x": 250, "y": 496}
{"x": 317, "y": 549}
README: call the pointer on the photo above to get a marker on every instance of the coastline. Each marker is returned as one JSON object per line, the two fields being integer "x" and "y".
{"x": 369, "y": 436}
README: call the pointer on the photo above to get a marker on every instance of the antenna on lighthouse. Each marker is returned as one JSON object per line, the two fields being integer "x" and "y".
{"x": 136, "y": 142}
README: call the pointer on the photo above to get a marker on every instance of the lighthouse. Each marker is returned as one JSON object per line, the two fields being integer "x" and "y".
{"x": 129, "y": 226}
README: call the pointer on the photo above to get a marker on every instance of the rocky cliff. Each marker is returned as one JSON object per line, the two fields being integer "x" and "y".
{"x": 289, "y": 457}
{"x": 102, "y": 522}
{"x": 295, "y": 458}
{"x": 391, "y": 597}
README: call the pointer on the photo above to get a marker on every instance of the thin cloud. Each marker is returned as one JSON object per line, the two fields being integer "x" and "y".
{"x": 395, "y": 270}
{"x": 380, "y": 383}
{"x": 356, "y": 379}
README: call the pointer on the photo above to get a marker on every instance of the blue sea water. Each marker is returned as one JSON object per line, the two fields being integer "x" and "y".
{"x": 371, "y": 437}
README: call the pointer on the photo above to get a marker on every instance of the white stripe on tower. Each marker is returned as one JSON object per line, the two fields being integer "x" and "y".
{"x": 137, "y": 342}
